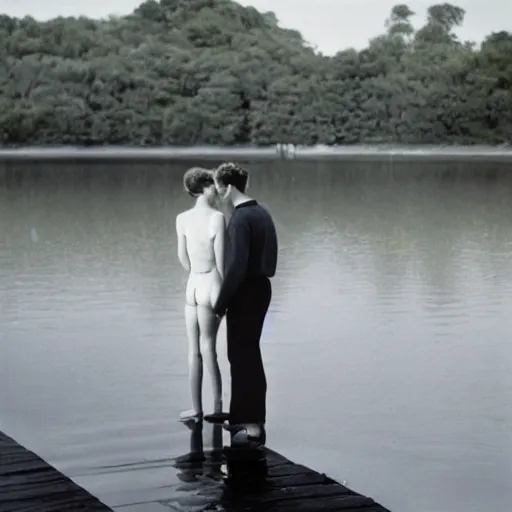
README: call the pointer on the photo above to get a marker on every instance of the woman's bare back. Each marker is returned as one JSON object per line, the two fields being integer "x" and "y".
{"x": 199, "y": 233}
{"x": 201, "y": 227}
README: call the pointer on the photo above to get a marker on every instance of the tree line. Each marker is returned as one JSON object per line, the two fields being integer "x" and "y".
{"x": 186, "y": 72}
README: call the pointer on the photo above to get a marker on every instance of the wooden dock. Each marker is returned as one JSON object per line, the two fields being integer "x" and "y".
{"x": 29, "y": 484}
{"x": 219, "y": 479}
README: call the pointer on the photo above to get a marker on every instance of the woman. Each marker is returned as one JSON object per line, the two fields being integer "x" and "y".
{"x": 201, "y": 233}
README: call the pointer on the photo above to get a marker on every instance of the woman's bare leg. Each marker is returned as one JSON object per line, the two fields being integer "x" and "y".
{"x": 195, "y": 363}
{"x": 208, "y": 328}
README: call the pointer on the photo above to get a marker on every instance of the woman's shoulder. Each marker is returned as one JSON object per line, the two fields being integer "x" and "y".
{"x": 184, "y": 214}
{"x": 217, "y": 214}
{"x": 216, "y": 218}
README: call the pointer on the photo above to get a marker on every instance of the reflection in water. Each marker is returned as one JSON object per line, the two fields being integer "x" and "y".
{"x": 246, "y": 474}
{"x": 200, "y": 471}
{"x": 390, "y": 321}
{"x": 219, "y": 478}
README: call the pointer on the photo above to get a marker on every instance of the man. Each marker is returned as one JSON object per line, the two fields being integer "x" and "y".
{"x": 245, "y": 294}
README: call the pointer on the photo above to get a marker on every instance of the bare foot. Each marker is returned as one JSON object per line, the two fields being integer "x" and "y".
{"x": 191, "y": 415}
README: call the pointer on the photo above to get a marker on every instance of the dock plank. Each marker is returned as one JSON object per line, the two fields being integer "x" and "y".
{"x": 29, "y": 484}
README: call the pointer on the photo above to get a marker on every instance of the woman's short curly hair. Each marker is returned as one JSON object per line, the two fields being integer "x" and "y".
{"x": 232, "y": 174}
{"x": 196, "y": 180}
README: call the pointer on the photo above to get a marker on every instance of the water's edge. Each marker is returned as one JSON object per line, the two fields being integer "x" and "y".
{"x": 272, "y": 153}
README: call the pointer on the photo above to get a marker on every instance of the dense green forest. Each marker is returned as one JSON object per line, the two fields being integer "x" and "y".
{"x": 184, "y": 72}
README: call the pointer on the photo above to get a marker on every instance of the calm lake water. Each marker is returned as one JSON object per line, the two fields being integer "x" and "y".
{"x": 387, "y": 346}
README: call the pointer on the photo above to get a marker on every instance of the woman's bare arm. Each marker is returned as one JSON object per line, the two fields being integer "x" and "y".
{"x": 182, "y": 245}
{"x": 219, "y": 227}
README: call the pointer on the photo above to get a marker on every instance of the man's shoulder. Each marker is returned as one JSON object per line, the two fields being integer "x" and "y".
{"x": 265, "y": 208}
{"x": 251, "y": 213}
{"x": 267, "y": 215}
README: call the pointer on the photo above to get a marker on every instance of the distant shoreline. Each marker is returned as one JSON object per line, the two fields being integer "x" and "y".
{"x": 339, "y": 153}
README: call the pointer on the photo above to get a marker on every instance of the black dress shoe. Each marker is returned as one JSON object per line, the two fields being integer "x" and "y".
{"x": 240, "y": 437}
{"x": 217, "y": 417}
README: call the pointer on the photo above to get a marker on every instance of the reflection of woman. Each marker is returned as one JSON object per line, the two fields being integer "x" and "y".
{"x": 201, "y": 233}
{"x": 198, "y": 464}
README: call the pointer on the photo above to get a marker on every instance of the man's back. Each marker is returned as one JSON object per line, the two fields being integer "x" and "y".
{"x": 262, "y": 237}
{"x": 251, "y": 252}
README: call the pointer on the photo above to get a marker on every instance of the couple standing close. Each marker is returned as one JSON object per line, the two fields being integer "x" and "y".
{"x": 229, "y": 274}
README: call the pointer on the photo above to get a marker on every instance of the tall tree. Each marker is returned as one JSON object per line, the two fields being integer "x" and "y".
{"x": 399, "y": 21}
{"x": 441, "y": 20}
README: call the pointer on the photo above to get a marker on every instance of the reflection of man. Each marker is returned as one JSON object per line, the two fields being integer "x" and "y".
{"x": 246, "y": 292}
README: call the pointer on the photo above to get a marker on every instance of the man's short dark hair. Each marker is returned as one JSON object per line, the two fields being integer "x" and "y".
{"x": 232, "y": 174}
{"x": 196, "y": 180}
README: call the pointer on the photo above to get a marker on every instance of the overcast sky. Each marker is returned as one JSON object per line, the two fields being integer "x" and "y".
{"x": 331, "y": 25}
